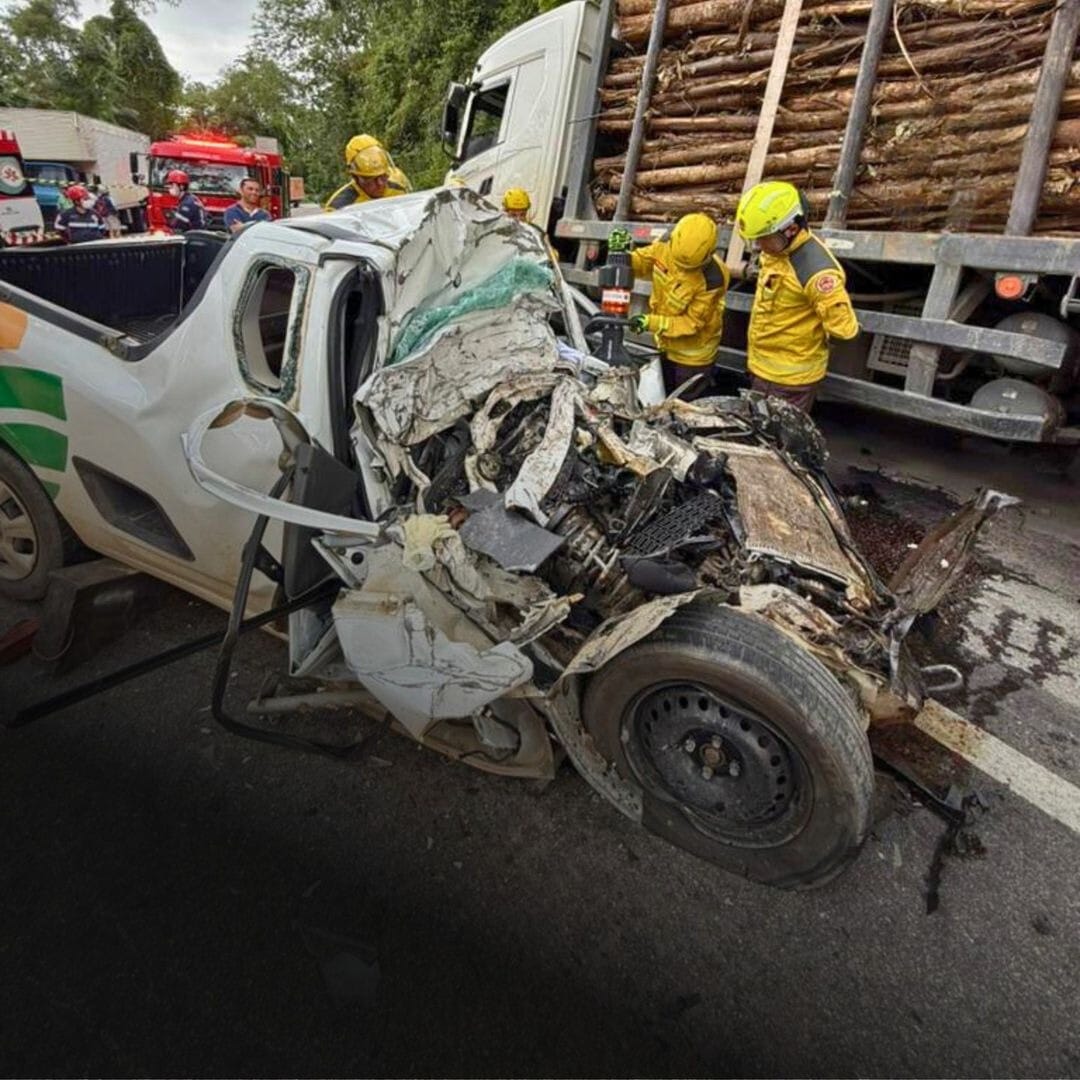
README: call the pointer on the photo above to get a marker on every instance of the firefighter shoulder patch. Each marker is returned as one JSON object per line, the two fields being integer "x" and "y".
{"x": 826, "y": 283}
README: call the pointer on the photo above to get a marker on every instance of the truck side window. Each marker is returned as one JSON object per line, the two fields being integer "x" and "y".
{"x": 266, "y": 330}
{"x": 485, "y": 120}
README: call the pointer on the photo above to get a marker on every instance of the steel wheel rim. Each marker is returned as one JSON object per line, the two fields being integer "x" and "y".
{"x": 19, "y": 541}
{"x": 727, "y": 769}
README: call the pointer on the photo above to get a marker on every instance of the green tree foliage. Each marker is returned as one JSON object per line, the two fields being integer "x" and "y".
{"x": 37, "y": 47}
{"x": 252, "y": 97}
{"x": 114, "y": 68}
{"x": 379, "y": 66}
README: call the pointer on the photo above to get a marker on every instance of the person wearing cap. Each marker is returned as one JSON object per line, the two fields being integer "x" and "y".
{"x": 370, "y": 170}
{"x": 516, "y": 203}
{"x": 800, "y": 302}
{"x": 189, "y": 212}
{"x": 686, "y": 308}
{"x": 78, "y": 223}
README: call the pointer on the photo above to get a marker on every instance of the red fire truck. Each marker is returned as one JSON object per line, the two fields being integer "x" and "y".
{"x": 215, "y": 165}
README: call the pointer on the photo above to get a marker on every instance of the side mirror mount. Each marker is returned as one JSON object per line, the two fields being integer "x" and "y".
{"x": 457, "y": 96}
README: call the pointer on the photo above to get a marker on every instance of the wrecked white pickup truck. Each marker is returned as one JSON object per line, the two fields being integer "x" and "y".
{"x": 477, "y": 532}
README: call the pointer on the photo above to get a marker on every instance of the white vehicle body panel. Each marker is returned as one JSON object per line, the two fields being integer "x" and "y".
{"x": 543, "y": 62}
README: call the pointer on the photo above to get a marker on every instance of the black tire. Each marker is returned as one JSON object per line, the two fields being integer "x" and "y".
{"x": 788, "y": 803}
{"x": 33, "y": 539}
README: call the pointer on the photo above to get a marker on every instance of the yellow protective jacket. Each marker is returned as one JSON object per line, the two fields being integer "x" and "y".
{"x": 689, "y": 304}
{"x": 800, "y": 303}
{"x": 349, "y": 194}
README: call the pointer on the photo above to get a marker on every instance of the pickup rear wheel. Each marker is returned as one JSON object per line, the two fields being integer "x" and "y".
{"x": 31, "y": 532}
{"x": 746, "y": 750}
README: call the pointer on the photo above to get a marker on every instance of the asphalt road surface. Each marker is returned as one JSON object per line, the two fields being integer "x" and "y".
{"x": 178, "y": 901}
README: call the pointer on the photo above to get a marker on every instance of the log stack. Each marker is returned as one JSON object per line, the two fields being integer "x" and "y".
{"x": 951, "y": 106}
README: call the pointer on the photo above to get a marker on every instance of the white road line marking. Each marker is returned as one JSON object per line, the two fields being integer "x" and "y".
{"x": 1027, "y": 778}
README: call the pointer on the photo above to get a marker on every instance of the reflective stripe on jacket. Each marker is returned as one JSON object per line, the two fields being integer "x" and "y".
{"x": 77, "y": 226}
{"x": 189, "y": 213}
{"x": 800, "y": 302}
{"x": 688, "y": 304}
{"x": 349, "y": 194}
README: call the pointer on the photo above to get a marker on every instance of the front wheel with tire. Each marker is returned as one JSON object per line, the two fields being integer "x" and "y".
{"x": 31, "y": 532}
{"x": 746, "y": 750}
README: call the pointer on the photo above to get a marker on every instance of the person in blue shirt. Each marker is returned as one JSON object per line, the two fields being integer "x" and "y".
{"x": 243, "y": 213}
{"x": 189, "y": 213}
{"x": 79, "y": 223}
{"x": 106, "y": 210}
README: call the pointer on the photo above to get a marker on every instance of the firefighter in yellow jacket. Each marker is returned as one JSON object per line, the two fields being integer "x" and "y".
{"x": 686, "y": 309}
{"x": 800, "y": 301}
{"x": 372, "y": 174}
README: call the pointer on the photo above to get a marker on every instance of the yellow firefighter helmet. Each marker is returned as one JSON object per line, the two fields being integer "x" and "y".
{"x": 767, "y": 208}
{"x": 693, "y": 240}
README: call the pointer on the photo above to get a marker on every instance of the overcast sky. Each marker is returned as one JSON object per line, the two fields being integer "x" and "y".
{"x": 199, "y": 37}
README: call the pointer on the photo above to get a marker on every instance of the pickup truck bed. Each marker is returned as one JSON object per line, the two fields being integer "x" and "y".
{"x": 138, "y": 288}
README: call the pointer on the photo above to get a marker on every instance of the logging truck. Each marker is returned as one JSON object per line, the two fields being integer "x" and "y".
{"x": 936, "y": 145}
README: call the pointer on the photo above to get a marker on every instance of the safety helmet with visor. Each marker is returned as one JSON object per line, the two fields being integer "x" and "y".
{"x": 768, "y": 208}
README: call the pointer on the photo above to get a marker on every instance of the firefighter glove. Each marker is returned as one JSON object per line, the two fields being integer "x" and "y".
{"x": 620, "y": 240}
{"x": 640, "y": 323}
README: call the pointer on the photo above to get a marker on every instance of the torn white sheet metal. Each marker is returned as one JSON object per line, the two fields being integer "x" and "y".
{"x": 373, "y": 468}
{"x": 478, "y": 584}
{"x": 291, "y": 428}
{"x": 613, "y": 450}
{"x": 650, "y": 387}
{"x": 542, "y": 617}
{"x": 485, "y": 424}
{"x": 457, "y": 368}
{"x": 386, "y": 573}
{"x": 413, "y": 668}
{"x": 616, "y": 391}
{"x": 563, "y": 711}
{"x": 818, "y": 633}
{"x": 541, "y": 468}
{"x": 698, "y": 415}
{"x": 618, "y": 633}
{"x": 668, "y": 450}
{"x": 460, "y": 241}
{"x": 782, "y": 518}
{"x": 795, "y": 616}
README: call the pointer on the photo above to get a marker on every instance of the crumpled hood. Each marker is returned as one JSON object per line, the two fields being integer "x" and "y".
{"x": 468, "y": 305}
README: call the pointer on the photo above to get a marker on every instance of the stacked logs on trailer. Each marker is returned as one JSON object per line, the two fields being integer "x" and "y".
{"x": 950, "y": 109}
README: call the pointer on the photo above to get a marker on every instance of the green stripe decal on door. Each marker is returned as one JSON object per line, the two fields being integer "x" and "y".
{"x": 37, "y": 445}
{"x": 52, "y": 488}
{"x": 27, "y": 388}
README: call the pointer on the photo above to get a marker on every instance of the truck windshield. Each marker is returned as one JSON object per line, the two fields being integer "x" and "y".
{"x": 207, "y": 177}
{"x": 41, "y": 170}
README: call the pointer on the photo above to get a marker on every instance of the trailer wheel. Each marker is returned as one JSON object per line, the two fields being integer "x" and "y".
{"x": 746, "y": 750}
{"x": 32, "y": 536}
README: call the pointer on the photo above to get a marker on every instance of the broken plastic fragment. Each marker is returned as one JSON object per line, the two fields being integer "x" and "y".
{"x": 513, "y": 541}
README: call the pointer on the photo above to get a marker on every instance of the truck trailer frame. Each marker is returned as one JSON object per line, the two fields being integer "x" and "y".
{"x": 949, "y": 300}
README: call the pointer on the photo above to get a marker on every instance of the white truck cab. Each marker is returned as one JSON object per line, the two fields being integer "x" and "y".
{"x": 513, "y": 124}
